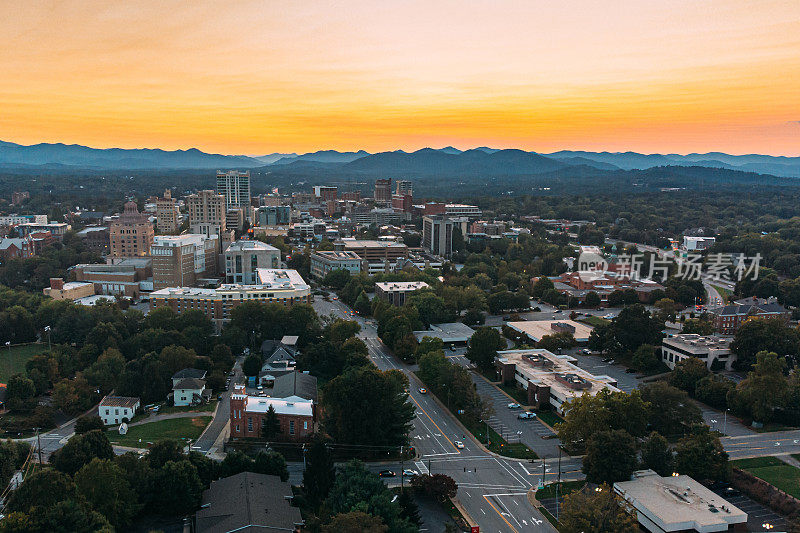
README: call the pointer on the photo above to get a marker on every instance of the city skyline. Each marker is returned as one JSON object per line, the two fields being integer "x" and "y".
{"x": 257, "y": 78}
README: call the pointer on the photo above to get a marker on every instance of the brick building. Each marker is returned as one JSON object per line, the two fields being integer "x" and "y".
{"x": 296, "y": 415}
{"x": 131, "y": 234}
{"x": 180, "y": 260}
{"x": 728, "y": 318}
{"x": 126, "y": 277}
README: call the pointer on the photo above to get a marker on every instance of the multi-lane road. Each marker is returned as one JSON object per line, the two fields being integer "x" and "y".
{"x": 492, "y": 489}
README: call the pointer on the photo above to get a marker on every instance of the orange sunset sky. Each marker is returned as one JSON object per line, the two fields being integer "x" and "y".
{"x": 254, "y": 77}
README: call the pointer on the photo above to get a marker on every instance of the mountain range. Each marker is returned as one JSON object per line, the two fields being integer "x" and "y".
{"x": 427, "y": 162}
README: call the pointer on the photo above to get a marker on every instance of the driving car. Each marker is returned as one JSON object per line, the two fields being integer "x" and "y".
{"x": 458, "y": 444}
{"x": 608, "y": 316}
{"x": 386, "y": 473}
{"x": 423, "y": 390}
{"x": 408, "y": 472}
{"x": 513, "y": 405}
{"x": 525, "y": 415}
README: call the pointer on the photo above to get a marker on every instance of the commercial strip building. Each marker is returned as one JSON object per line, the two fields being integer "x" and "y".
{"x": 296, "y": 415}
{"x": 678, "y": 503}
{"x": 395, "y": 292}
{"x": 281, "y": 286}
{"x": 325, "y": 261}
{"x": 248, "y": 503}
{"x": 244, "y": 258}
{"x": 181, "y": 260}
{"x": 73, "y": 290}
{"x": 120, "y": 277}
{"x": 131, "y": 234}
{"x": 549, "y": 378}
{"x": 449, "y": 333}
{"x": 713, "y": 350}
{"x": 536, "y": 329}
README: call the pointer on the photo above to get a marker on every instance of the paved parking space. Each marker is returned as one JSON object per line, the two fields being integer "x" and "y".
{"x": 757, "y": 514}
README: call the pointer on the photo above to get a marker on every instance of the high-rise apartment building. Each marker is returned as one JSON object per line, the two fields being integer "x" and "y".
{"x": 437, "y": 233}
{"x": 207, "y": 211}
{"x": 180, "y": 260}
{"x": 167, "y": 214}
{"x": 404, "y": 187}
{"x": 383, "y": 191}
{"x": 235, "y": 187}
{"x": 131, "y": 234}
{"x": 273, "y": 215}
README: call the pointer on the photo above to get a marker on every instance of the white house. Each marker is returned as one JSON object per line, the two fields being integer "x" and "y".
{"x": 189, "y": 391}
{"x": 115, "y": 410}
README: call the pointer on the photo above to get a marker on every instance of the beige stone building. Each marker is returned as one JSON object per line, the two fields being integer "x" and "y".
{"x": 131, "y": 234}
{"x": 167, "y": 214}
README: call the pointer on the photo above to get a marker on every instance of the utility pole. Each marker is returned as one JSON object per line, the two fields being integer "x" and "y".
{"x": 544, "y": 462}
{"x": 49, "y": 345}
{"x": 402, "y": 472}
{"x": 8, "y": 360}
{"x": 39, "y": 445}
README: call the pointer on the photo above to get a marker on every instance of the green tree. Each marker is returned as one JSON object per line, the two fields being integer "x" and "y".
{"x": 644, "y": 358}
{"x": 610, "y": 457}
{"x": 438, "y": 487}
{"x": 428, "y": 344}
{"x": 87, "y": 423}
{"x": 44, "y": 488}
{"x": 252, "y": 365}
{"x": 362, "y": 304}
{"x": 657, "y": 455}
{"x": 271, "y": 426}
{"x": 592, "y": 299}
{"x": 483, "y": 346}
{"x": 556, "y": 342}
{"x": 20, "y": 393}
{"x": 163, "y": 451}
{"x": 319, "y": 474}
{"x": 699, "y": 326}
{"x": 355, "y": 522}
{"x": 757, "y": 335}
{"x": 700, "y": 455}
{"x": 713, "y": 390}
{"x": 764, "y": 391}
{"x": 337, "y": 278}
{"x": 367, "y": 406}
{"x": 104, "y": 486}
{"x": 600, "y": 511}
{"x": 672, "y": 412}
{"x": 177, "y": 488}
{"x": 688, "y": 373}
{"x": 666, "y": 308}
{"x": 80, "y": 450}
{"x": 542, "y": 285}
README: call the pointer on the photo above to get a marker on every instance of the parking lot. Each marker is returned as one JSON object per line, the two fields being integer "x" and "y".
{"x": 757, "y": 514}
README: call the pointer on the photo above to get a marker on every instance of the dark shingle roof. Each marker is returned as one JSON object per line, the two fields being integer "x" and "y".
{"x": 189, "y": 383}
{"x": 247, "y": 499}
{"x": 295, "y": 384}
{"x": 189, "y": 373}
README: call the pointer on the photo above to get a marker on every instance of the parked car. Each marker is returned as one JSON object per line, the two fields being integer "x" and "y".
{"x": 609, "y": 316}
{"x": 630, "y": 370}
{"x": 408, "y": 472}
{"x": 526, "y": 415}
{"x": 586, "y": 351}
{"x": 386, "y": 473}
{"x": 423, "y": 390}
{"x": 458, "y": 444}
{"x": 514, "y": 405}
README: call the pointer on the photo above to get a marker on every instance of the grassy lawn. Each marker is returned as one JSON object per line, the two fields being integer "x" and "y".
{"x": 175, "y": 428}
{"x": 773, "y": 471}
{"x": 13, "y": 361}
{"x": 519, "y": 395}
{"x": 204, "y": 408}
{"x": 549, "y": 417}
{"x": 594, "y": 321}
{"x": 564, "y": 488}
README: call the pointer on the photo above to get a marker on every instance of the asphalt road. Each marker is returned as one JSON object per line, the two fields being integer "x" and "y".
{"x": 493, "y": 490}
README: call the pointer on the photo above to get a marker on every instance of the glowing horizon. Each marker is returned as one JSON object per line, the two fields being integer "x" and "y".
{"x": 262, "y": 77}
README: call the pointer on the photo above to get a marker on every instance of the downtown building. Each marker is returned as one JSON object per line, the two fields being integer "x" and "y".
{"x": 131, "y": 234}
{"x": 244, "y": 258}
{"x": 235, "y": 187}
{"x": 182, "y": 260}
{"x": 437, "y": 233}
{"x": 282, "y": 286}
{"x": 167, "y": 214}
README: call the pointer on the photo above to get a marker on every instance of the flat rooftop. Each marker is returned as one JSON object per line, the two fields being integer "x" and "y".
{"x": 293, "y": 405}
{"x": 365, "y": 243}
{"x": 240, "y": 246}
{"x": 268, "y": 279}
{"x": 536, "y": 329}
{"x": 401, "y": 286}
{"x": 692, "y": 342}
{"x": 339, "y": 255}
{"x": 678, "y": 503}
{"x": 450, "y": 332}
{"x": 559, "y": 372}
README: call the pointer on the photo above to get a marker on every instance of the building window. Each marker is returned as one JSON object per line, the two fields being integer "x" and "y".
{"x": 291, "y": 427}
{"x": 249, "y": 423}
{"x": 305, "y": 424}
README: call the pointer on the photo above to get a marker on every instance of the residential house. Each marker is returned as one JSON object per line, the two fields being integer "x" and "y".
{"x": 193, "y": 373}
{"x": 115, "y": 410}
{"x": 189, "y": 391}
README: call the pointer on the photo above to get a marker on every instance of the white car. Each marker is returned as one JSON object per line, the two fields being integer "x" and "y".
{"x": 608, "y": 317}
{"x": 525, "y": 415}
{"x": 410, "y": 473}
{"x": 458, "y": 444}
{"x": 423, "y": 390}
{"x": 514, "y": 406}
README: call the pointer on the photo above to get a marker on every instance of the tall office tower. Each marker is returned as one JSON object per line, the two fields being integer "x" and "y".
{"x": 437, "y": 233}
{"x": 167, "y": 214}
{"x": 235, "y": 187}
{"x": 131, "y": 235}
{"x": 383, "y": 191}
{"x": 180, "y": 260}
{"x": 404, "y": 187}
{"x": 207, "y": 211}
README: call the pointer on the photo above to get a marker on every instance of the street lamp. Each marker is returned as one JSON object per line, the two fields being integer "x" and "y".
{"x": 767, "y": 526}
{"x": 49, "y": 345}
{"x": 8, "y": 362}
